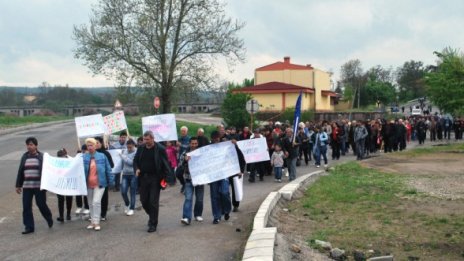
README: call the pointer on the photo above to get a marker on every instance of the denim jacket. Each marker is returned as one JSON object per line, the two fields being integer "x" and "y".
{"x": 105, "y": 178}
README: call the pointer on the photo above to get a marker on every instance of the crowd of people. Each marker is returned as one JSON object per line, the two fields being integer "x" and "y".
{"x": 149, "y": 166}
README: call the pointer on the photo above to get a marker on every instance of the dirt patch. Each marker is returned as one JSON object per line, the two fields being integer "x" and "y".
{"x": 439, "y": 174}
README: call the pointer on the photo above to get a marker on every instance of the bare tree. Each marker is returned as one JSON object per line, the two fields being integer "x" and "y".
{"x": 158, "y": 43}
{"x": 352, "y": 76}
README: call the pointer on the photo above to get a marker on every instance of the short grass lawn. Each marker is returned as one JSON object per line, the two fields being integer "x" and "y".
{"x": 13, "y": 121}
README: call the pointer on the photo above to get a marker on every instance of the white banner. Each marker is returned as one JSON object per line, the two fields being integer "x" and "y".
{"x": 213, "y": 162}
{"x": 117, "y": 160}
{"x": 254, "y": 150}
{"x": 163, "y": 126}
{"x": 88, "y": 126}
{"x": 115, "y": 122}
{"x": 238, "y": 188}
{"x": 64, "y": 176}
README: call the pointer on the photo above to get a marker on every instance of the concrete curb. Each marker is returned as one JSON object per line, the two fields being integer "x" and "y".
{"x": 260, "y": 244}
{"x": 31, "y": 126}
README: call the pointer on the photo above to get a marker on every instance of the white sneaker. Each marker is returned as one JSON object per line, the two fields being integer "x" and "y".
{"x": 317, "y": 166}
{"x": 86, "y": 212}
{"x": 130, "y": 212}
{"x": 279, "y": 180}
{"x": 78, "y": 210}
{"x": 185, "y": 221}
{"x": 325, "y": 165}
{"x": 199, "y": 219}
{"x": 126, "y": 209}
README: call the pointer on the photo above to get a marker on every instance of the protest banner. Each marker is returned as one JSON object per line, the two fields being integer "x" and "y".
{"x": 117, "y": 160}
{"x": 254, "y": 150}
{"x": 213, "y": 162}
{"x": 163, "y": 126}
{"x": 89, "y": 126}
{"x": 63, "y": 176}
{"x": 238, "y": 188}
{"x": 115, "y": 122}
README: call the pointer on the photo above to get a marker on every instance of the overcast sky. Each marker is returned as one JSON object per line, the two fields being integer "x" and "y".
{"x": 36, "y": 44}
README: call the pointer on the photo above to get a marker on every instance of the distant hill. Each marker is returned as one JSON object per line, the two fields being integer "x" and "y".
{"x": 35, "y": 90}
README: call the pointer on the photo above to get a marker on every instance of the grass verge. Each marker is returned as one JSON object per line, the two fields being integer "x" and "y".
{"x": 447, "y": 148}
{"x": 14, "y": 121}
{"x": 357, "y": 208}
{"x": 135, "y": 127}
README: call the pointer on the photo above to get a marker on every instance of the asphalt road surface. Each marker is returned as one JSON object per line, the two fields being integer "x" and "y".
{"x": 121, "y": 237}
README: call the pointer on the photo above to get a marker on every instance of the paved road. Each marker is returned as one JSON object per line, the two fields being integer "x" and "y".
{"x": 121, "y": 237}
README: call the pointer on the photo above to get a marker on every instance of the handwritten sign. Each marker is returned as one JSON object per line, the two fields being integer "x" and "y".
{"x": 254, "y": 150}
{"x": 117, "y": 160}
{"x": 88, "y": 126}
{"x": 163, "y": 126}
{"x": 64, "y": 176}
{"x": 115, "y": 122}
{"x": 213, "y": 162}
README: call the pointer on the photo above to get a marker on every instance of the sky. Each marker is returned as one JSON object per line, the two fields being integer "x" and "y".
{"x": 36, "y": 42}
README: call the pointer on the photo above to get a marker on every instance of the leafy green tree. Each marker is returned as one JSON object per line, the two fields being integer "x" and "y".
{"x": 410, "y": 79}
{"x": 445, "y": 84}
{"x": 233, "y": 109}
{"x": 159, "y": 43}
{"x": 379, "y": 87}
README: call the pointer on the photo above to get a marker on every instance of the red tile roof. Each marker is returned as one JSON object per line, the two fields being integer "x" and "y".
{"x": 285, "y": 65}
{"x": 275, "y": 87}
{"x": 329, "y": 93}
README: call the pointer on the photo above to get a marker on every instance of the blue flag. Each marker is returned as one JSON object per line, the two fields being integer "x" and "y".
{"x": 297, "y": 116}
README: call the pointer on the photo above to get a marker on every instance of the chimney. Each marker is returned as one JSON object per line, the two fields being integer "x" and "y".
{"x": 309, "y": 66}
{"x": 287, "y": 60}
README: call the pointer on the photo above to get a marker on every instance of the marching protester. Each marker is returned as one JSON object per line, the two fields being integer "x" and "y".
{"x": 151, "y": 167}
{"x": 219, "y": 192}
{"x": 61, "y": 199}
{"x": 277, "y": 161}
{"x": 191, "y": 190}
{"x": 242, "y": 163}
{"x": 28, "y": 183}
{"x": 121, "y": 145}
{"x": 291, "y": 148}
{"x": 171, "y": 151}
{"x": 104, "y": 202}
{"x": 129, "y": 180}
{"x": 321, "y": 140}
{"x": 202, "y": 139}
{"x": 182, "y": 145}
{"x": 360, "y": 134}
{"x": 82, "y": 208}
{"x": 98, "y": 176}
{"x": 257, "y": 168}
{"x": 421, "y": 129}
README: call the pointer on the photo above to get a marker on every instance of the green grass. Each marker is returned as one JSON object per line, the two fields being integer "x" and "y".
{"x": 361, "y": 208}
{"x": 12, "y": 121}
{"x": 134, "y": 123}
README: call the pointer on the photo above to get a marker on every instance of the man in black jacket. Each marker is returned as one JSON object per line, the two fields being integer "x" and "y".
{"x": 151, "y": 166}
{"x": 28, "y": 183}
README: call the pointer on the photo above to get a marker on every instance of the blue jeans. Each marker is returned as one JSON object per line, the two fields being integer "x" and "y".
{"x": 278, "y": 172}
{"x": 291, "y": 165}
{"x": 220, "y": 198}
{"x": 129, "y": 181}
{"x": 343, "y": 146}
{"x": 318, "y": 152}
{"x": 40, "y": 200}
{"x": 188, "y": 192}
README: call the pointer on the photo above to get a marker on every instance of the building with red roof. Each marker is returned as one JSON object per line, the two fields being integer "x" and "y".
{"x": 278, "y": 85}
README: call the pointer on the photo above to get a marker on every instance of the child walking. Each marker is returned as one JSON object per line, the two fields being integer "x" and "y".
{"x": 277, "y": 161}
